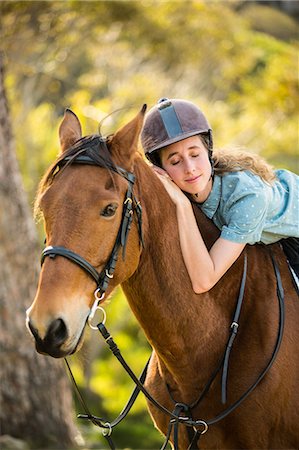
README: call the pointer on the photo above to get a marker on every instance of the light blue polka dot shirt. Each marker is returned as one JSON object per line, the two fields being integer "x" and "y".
{"x": 248, "y": 210}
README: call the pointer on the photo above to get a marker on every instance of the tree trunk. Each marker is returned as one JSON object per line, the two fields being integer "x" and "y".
{"x": 35, "y": 396}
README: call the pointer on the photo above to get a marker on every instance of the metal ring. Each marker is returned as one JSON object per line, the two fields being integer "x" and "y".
{"x": 107, "y": 431}
{"x": 128, "y": 200}
{"x": 90, "y": 317}
{"x": 205, "y": 425}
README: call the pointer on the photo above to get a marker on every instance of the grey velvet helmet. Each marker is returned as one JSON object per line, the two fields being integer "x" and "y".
{"x": 170, "y": 121}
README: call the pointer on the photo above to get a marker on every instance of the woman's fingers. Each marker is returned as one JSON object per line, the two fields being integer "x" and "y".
{"x": 159, "y": 171}
{"x": 173, "y": 190}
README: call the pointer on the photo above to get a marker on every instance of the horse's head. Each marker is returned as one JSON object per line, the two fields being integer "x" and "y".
{"x": 87, "y": 202}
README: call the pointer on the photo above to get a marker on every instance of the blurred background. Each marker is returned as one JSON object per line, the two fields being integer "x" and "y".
{"x": 238, "y": 60}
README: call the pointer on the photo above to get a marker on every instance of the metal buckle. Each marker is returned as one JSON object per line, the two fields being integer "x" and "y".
{"x": 96, "y": 292}
{"x": 109, "y": 276}
{"x": 96, "y": 307}
{"x": 107, "y": 431}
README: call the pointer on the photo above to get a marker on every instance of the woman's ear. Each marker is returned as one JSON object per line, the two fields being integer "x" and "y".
{"x": 69, "y": 130}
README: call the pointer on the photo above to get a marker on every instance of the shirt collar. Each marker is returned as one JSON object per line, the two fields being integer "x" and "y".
{"x": 210, "y": 205}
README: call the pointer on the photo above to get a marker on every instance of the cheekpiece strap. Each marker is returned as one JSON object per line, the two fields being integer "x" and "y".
{"x": 130, "y": 204}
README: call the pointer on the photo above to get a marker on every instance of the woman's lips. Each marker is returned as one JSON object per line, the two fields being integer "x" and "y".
{"x": 192, "y": 180}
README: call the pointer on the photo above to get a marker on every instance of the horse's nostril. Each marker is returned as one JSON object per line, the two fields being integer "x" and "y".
{"x": 33, "y": 330}
{"x": 56, "y": 334}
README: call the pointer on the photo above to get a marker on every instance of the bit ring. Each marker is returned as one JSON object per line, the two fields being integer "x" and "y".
{"x": 90, "y": 317}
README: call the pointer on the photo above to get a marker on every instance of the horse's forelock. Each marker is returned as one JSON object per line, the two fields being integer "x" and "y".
{"x": 93, "y": 146}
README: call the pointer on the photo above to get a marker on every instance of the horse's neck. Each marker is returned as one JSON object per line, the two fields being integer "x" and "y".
{"x": 160, "y": 292}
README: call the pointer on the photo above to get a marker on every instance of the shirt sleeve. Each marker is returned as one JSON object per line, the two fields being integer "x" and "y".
{"x": 245, "y": 218}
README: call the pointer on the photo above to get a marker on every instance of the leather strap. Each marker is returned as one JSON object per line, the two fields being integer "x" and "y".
{"x": 234, "y": 329}
{"x": 72, "y": 256}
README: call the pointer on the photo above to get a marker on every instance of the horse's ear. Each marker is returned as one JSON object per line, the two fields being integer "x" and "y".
{"x": 124, "y": 143}
{"x": 69, "y": 130}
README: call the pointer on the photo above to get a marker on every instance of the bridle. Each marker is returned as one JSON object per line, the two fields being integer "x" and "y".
{"x": 130, "y": 206}
{"x": 182, "y": 413}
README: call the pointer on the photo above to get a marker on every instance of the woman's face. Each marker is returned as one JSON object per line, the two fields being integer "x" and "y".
{"x": 187, "y": 163}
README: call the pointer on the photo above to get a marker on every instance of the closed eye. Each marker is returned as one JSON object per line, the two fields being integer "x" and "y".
{"x": 109, "y": 210}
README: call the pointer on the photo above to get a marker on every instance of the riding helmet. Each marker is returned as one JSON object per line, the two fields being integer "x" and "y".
{"x": 170, "y": 121}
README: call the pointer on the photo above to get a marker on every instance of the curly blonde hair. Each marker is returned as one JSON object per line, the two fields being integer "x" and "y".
{"x": 238, "y": 160}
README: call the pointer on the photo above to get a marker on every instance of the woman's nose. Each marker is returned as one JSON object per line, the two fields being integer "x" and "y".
{"x": 189, "y": 166}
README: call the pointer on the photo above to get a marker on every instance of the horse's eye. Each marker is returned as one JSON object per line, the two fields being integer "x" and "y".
{"x": 109, "y": 210}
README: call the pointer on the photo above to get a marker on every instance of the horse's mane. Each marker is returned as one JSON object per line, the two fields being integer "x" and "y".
{"x": 94, "y": 146}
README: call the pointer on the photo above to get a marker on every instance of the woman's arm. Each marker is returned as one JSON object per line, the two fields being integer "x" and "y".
{"x": 204, "y": 268}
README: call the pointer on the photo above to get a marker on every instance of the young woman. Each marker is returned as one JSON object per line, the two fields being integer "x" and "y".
{"x": 244, "y": 197}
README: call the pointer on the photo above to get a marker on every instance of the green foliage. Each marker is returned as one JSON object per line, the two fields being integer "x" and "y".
{"x": 270, "y": 20}
{"x": 106, "y": 56}
{"x": 98, "y": 57}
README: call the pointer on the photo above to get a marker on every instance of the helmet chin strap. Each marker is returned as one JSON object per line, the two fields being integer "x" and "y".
{"x": 212, "y": 166}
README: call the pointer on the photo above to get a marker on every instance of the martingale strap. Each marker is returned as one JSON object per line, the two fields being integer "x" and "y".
{"x": 107, "y": 427}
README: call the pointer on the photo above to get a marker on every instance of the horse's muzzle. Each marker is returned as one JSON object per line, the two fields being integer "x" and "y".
{"x": 54, "y": 339}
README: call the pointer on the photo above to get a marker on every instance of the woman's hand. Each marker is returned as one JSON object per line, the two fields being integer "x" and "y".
{"x": 175, "y": 193}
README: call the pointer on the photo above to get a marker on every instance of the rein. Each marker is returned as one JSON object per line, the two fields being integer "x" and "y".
{"x": 195, "y": 428}
{"x": 176, "y": 416}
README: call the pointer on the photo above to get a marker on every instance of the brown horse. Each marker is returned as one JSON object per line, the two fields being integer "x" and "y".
{"x": 82, "y": 208}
